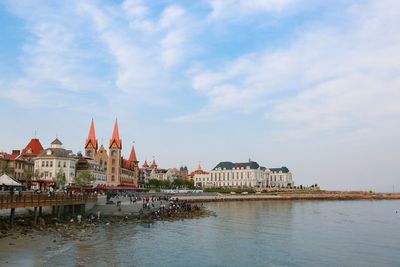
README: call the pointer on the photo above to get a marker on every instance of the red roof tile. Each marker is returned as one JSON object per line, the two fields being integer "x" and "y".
{"x": 33, "y": 148}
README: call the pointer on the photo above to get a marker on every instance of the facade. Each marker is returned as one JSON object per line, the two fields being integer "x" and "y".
{"x": 159, "y": 174}
{"x": 239, "y": 175}
{"x": 183, "y": 172}
{"x": 280, "y": 177}
{"x": 172, "y": 174}
{"x": 86, "y": 164}
{"x": 201, "y": 178}
{"x": 149, "y": 171}
{"x": 16, "y": 166}
{"x": 53, "y": 161}
{"x": 119, "y": 171}
{"x": 19, "y": 164}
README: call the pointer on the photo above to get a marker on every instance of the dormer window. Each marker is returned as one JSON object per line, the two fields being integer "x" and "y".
{"x": 48, "y": 152}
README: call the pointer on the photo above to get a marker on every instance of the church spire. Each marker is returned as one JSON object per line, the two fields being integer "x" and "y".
{"x": 91, "y": 137}
{"x": 115, "y": 136}
{"x": 132, "y": 156}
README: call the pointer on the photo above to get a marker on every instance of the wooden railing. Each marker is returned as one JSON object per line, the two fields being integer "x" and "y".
{"x": 42, "y": 200}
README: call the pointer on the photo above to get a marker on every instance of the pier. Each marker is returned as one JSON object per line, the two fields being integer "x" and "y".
{"x": 61, "y": 203}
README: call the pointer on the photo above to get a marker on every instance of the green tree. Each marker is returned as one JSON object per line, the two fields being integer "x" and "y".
{"x": 83, "y": 178}
{"x": 60, "y": 178}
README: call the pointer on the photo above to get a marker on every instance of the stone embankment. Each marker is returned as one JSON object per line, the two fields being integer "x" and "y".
{"x": 312, "y": 195}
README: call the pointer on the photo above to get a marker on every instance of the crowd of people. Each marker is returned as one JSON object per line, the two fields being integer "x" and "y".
{"x": 152, "y": 206}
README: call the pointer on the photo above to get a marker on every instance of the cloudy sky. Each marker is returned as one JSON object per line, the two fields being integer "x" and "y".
{"x": 313, "y": 85}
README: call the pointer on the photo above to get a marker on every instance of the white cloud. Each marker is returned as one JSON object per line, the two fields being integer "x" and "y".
{"x": 342, "y": 76}
{"x": 238, "y": 8}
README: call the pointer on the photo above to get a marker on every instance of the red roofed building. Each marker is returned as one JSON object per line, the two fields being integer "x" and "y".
{"x": 120, "y": 171}
{"x": 32, "y": 149}
{"x": 17, "y": 166}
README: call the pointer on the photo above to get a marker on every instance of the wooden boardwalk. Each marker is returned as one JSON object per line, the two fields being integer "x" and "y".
{"x": 43, "y": 200}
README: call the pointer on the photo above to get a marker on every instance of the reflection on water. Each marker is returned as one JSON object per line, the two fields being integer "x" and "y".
{"x": 261, "y": 233}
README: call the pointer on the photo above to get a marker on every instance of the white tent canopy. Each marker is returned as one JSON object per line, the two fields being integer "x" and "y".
{"x": 8, "y": 181}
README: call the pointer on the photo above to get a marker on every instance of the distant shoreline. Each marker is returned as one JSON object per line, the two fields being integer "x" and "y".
{"x": 316, "y": 195}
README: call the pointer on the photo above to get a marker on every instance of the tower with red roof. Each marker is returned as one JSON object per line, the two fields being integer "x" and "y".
{"x": 91, "y": 144}
{"x": 114, "y": 159}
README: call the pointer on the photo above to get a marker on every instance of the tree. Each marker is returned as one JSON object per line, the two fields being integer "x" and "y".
{"x": 83, "y": 178}
{"x": 60, "y": 178}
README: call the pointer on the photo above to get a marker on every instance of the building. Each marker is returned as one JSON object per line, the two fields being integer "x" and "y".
{"x": 159, "y": 174}
{"x": 149, "y": 171}
{"x": 52, "y": 162}
{"x": 32, "y": 149}
{"x": 239, "y": 175}
{"x": 119, "y": 171}
{"x": 183, "y": 172}
{"x": 172, "y": 174}
{"x": 19, "y": 164}
{"x": 86, "y": 164}
{"x": 201, "y": 178}
{"x": 16, "y": 166}
{"x": 280, "y": 177}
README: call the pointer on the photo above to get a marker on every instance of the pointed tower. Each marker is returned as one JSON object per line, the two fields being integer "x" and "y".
{"x": 114, "y": 158}
{"x": 154, "y": 164}
{"x": 145, "y": 165}
{"x": 134, "y": 164}
{"x": 91, "y": 144}
{"x": 132, "y": 156}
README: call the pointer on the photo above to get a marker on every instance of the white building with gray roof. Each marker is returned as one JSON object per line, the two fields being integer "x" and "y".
{"x": 53, "y": 160}
{"x": 246, "y": 175}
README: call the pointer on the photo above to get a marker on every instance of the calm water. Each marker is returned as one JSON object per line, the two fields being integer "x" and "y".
{"x": 270, "y": 233}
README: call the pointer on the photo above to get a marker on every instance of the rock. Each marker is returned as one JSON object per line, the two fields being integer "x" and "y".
{"x": 41, "y": 221}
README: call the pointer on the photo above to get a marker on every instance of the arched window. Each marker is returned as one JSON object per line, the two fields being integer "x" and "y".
{"x": 113, "y": 153}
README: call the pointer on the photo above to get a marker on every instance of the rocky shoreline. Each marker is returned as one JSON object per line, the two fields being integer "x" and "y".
{"x": 70, "y": 229}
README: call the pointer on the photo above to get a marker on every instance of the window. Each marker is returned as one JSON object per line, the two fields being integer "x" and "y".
{"x": 113, "y": 153}
{"x": 42, "y": 163}
{"x": 51, "y": 164}
{"x": 112, "y": 178}
{"x": 89, "y": 153}
{"x": 47, "y": 164}
{"x": 65, "y": 164}
{"x": 113, "y": 161}
{"x": 113, "y": 170}
{"x": 59, "y": 164}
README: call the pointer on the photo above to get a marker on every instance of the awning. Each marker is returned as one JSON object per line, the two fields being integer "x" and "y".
{"x": 8, "y": 181}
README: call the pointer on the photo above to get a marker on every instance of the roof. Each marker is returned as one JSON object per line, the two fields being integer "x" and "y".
{"x": 154, "y": 164}
{"x": 56, "y": 142}
{"x": 56, "y": 152}
{"x": 282, "y": 169}
{"x": 145, "y": 164}
{"x": 230, "y": 165}
{"x": 115, "y": 136}
{"x": 33, "y": 148}
{"x": 8, "y": 181}
{"x": 91, "y": 137}
{"x": 132, "y": 156}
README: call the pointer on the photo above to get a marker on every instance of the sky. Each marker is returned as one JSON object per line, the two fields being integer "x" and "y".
{"x": 313, "y": 85}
